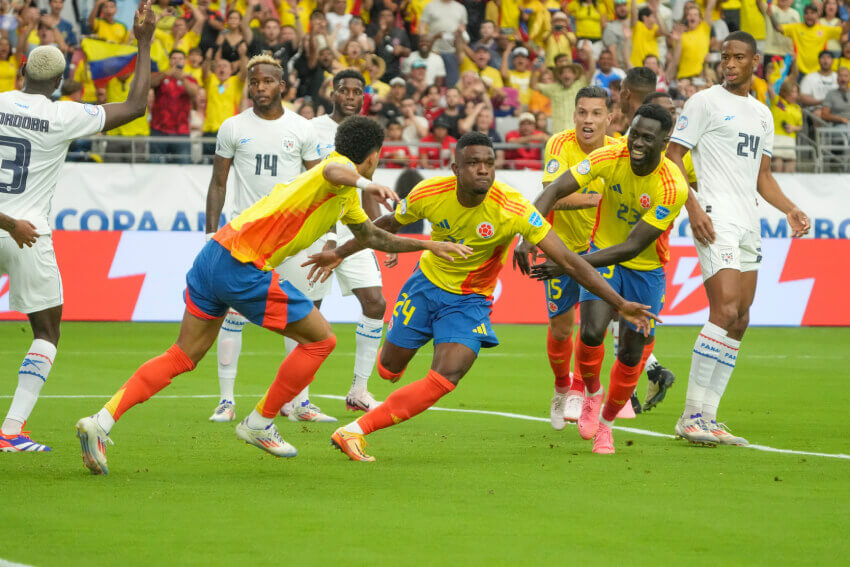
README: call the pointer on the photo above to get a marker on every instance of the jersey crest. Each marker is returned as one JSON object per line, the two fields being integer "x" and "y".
{"x": 485, "y": 230}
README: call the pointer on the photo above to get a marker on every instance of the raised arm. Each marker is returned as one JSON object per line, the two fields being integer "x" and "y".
{"x": 217, "y": 192}
{"x": 120, "y": 113}
{"x": 93, "y": 15}
{"x": 769, "y": 189}
{"x": 198, "y": 18}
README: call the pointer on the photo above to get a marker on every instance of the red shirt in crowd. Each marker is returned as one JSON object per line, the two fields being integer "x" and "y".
{"x": 523, "y": 158}
{"x": 397, "y": 156}
{"x": 435, "y": 159}
{"x": 171, "y": 106}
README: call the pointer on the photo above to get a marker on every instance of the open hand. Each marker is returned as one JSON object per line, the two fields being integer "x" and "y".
{"x": 799, "y": 223}
{"x": 144, "y": 23}
{"x": 448, "y": 250}
{"x": 522, "y": 252}
{"x": 639, "y": 316}
{"x": 546, "y": 271}
{"x": 24, "y": 233}
{"x": 701, "y": 226}
{"x": 322, "y": 265}
{"x": 384, "y": 195}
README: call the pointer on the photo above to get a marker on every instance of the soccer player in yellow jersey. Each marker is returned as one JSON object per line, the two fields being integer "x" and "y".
{"x": 234, "y": 269}
{"x": 643, "y": 194}
{"x": 450, "y": 302}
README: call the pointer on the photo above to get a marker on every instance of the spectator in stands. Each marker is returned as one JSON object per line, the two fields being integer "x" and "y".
{"x": 787, "y": 121}
{"x": 235, "y": 34}
{"x": 269, "y": 41}
{"x": 435, "y": 69}
{"x": 530, "y": 155}
{"x": 311, "y": 65}
{"x": 777, "y": 14}
{"x": 213, "y": 25}
{"x": 223, "y": 91}
{"x": 338, "y": 19}
{"x": 844, "y": 59}
{"x": 691, "y": 43}
{"x": 560, "y": 40}
{"x": 394, "y": 153}
{"x": 836, "y": 105}
{"x": 404, "y": 184}
{"x": 477, "y": 59}
{"x": 808, "y": 37}
{"x": 606, "y": 72}
{"x": 445, "y": 22}
{"x": 417, "y": 81}
{"x": 488, "y": 37}
{"x": 453, "y": 111}
{"x": 589, "y": 20}
{"x": 179, "y": 36}
{"x": 437, "y": 157}
{"x": 646, "y": 28}
{"x": 414, "y": 127}
{"x": 54, "y": 19}
{"x": 174, "y": 92}
{"x": 541, "y": 122}
{"x": 652, "y": 63}
{"x": 815, "y": 86}
{"x": 485, "y": 123}
{"x": 519, "y": 76}
{"x": 831, "y": 18}
{"x": 8, "y": 66}
{"x": 376, "y": 67}
{"x": 103, "y": 24}
{"x": 164, "y": 13}
{"x": 568, "y": 80}
{"x": 194, "y": 65}
{"x": 391, "y": 44}
{"x": 307, "y": 109}
{"x": 617, "y": 34}
{"x": 117, "y": 90}
{"x": 357, "y": 32}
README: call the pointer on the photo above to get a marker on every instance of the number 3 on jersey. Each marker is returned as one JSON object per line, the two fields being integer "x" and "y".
{"x": 747, "y": 141}
{"x": 266, "y": 162}
{"x": 17, "y": 166}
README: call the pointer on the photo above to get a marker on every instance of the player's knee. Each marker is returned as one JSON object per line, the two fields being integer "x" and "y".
{"x": 740, "y": 325}
{"x": 323, "y": 347}
{"x": 724, "y": 316}
{"x": 388, "y": 371}
{"x": 592, "y": 335}
{"x": 374, "y": 307}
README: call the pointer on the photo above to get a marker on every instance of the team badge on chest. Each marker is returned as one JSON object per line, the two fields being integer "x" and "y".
{"x": 288, "y": 144}
{"x": 485, "y": 230}
{"x": 645, "y": 201}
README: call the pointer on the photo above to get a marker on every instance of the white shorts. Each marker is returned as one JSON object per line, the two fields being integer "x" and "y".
{"x": 784, "y": 147}
{"x": 734, "y": 247}
{"x": 34, "y": 280}
{"x": 358, "y": 271}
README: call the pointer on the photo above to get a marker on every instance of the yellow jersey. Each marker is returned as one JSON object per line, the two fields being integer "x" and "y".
{"x": 588, "y": 19}
{"x": 291, "y": 217}
{"x": 785, "y": 112}
{"x": 489, "y": 229}
{"x": 116, "y": 32}
{"x": 643, "y": 43}
{"x": 810, "y": 41}
{"x": 491, "y": 72}
{"x": 8, "y": 74}
{"x": 694, "y": 51}
{"x": 189, "y": 40}
{"x": 558, "y": 43}
{"x": 521, "y": 81}
{"x": 688, "y": 162}
{"x": 752, "y": 20}
{"x": 117, "y": 91}
{"x": 627, "y": 198}
{"x": 573, "y": 227}
{"x": 222, "y": 100}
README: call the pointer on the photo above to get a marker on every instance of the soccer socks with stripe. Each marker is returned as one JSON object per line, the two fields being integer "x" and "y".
{"x": 708, "y": 346}
{"x": 150, "y": 378}
{"x": 229, "y": 347}
{"x": 295, "y": 373}
{"x": 404, "y": 403}
{"x": 720, "y": 378}
{"x": 652, "y": 362}
{"x": 367, "y": 339}
{"x": 624, "y": 379}
{"x": 31, "y": 377}
{"x": 589, "y": 364}
{"x": 559, "y": 359}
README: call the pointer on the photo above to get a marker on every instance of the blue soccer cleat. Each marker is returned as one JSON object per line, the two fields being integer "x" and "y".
{"x": 21, "y": 443}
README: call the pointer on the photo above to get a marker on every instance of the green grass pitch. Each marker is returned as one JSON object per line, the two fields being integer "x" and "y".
{"x": 448, "y": 488}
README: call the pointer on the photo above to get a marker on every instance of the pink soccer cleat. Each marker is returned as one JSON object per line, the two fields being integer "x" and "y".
{"x": 603, "y": 442}
{"x": 588, "y": 421}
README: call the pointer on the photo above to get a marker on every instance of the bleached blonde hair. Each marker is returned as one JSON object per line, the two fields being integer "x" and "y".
{"x": 265, "y": 59}
{"x": 45, "y": 62}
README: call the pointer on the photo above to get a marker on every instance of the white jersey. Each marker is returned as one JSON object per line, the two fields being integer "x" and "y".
{"x": 727, "y": 135}
{"x": 264, "y": 152}
{"x": 326, "y": 127}
{"x": 34, "y": 137}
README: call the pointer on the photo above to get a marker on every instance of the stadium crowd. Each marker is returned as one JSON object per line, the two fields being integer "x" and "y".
{"x": 436, "y": 69}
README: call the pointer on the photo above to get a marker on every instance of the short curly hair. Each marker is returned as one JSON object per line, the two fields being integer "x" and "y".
{"x": 264, "y": 59}
{"x": 656, "y": 112}
{"x": 473, "y": 139}
{"x": 358, "y": 137}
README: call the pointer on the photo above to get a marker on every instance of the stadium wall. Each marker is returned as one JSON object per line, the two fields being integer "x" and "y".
{"x": 137, "y": 273}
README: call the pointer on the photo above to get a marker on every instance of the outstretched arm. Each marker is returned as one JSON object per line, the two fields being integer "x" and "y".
{"x": 769, "y": 189}
{"x": 217, "y": 192}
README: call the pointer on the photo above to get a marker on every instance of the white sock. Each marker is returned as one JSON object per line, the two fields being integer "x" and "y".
{"x": 708, "y": 347}
{"x": 354, "y": 427}
{"x": 228, "y": 349}
{"x": 31, "y": 377}
{"x": 614, "y": 329}
{"x": 652, "y": 362}
{"x": 302, "y": 398}
{"x": 367, "y": 339}
{"x": 105, "y": 420}
{"x": 720, "y": 378}
{"x": 256, "y": 420}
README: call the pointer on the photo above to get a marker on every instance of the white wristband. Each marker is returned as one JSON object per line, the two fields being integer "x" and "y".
{"x": 209, "y": 236}
{"x": 362, "y": 183}
{"x": 330, "y": 236}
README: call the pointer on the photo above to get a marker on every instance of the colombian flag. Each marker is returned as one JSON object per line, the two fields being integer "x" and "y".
{"x": 107, "y": 60}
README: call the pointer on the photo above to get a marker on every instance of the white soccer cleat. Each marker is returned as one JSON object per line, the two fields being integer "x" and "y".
{"x": 268, "y": 439}
{"x": 556, "y": 411}
{"x": 723, "y": 435}
{"x": 93, "y": 441}
{"x": 572, "y": 407}
{"x": 226, "y": 411}
{"x": 310, "y": 412}
{"x": 361, "y": 400}
{"x": 694, "y": 430}
{"x": 286, "y": 409}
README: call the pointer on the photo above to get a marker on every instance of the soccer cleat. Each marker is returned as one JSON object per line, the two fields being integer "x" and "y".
{"x": 93, "y": 440}
{"x": 226, "y": 411}
{"x": 286, "y": 409}
{"x": 635, "y": 403}
{"x": 588, "y": 421}
{"x": 603, "y": 441}
{"x": 694, "y": 430}
{"x": 360, "y": 400}
{"x": 21, "y": 443}
{"x": 351, "y": 444}
{"x": 572, "y": 407}
{"x": 723, "y": 435}
{"x": 309, "y": 412}
{"x": 660, "y": 380}
{"x": 267, "y": 439}
{"x": 556, "y": 411}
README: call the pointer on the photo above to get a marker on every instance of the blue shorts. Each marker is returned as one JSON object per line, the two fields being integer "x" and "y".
{"x": 424, "y": 312}
{"x": 218, "y": 281}
{"x": 562, "y": 294}
{"x": 634, "y": 285}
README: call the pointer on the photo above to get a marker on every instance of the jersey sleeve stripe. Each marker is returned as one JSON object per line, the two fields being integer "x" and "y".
{"x": 505, "y": 202}
{"x": 681, "y": 142}
{"x": 431, "y": 190}
{"x": 669, "y": 182}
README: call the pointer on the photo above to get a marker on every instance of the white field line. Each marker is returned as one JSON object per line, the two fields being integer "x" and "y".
{"x": 633, "y": 430}
{"x": 4, "y": 563}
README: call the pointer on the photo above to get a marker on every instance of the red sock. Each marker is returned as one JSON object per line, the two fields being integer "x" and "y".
{"x": 406, "y": 402}
{"x": 589, "y": 364}
{"x": 150, "y": 378}
{"x": 577, "y": 387}
{"x": 295, "y": 373}
{"x": 647, "y": 350}
{"x": 559, "y": 359}
{"x": 623, "y": 381}
{"x": 386, "y": 374}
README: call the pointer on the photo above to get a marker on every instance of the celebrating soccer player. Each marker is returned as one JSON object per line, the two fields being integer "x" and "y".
{"x": 235, "y": 270}
{"x": 449, "y": 301}
{"x": 730, "y": 135}
{"x": 35, "y": 135}
{"x": 643, "y": 193}
{"x": 265, "y": 145}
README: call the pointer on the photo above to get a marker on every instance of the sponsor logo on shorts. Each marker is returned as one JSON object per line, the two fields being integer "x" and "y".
{"x": 535, "y": 219}
{"x": 682, "y": 123}
{"x": 583, "y": 167}
{"x": 552, "y": 166}
{"x": 645, "y": 201}
{"x": 727, "y": 256}
{"x": 661, "y": 212}
{"x": 485, "y": 230}
{"x": 402, "y": 207}
{"x": 91, "y": 109}
{"x": 553, "y": 306}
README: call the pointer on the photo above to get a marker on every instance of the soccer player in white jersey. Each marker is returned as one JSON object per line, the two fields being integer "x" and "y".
{"x": 730, "y": 135}
{"x": 265, "y": 145}
{"x": 359, "y": 274}
{"x": 34, "y": 137}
